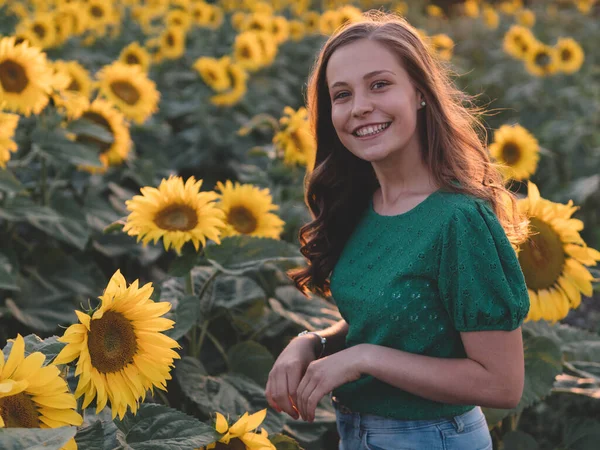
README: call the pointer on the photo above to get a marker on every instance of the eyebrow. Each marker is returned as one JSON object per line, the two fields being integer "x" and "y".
{"x": 368, "y": 75}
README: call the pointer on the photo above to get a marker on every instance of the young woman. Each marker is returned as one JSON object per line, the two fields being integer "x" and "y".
{"x": 412, "y": 235}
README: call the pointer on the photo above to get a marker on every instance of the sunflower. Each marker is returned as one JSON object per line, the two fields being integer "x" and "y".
{"x": 526, "y": 18}
{"x": 443, "y": 46}
{"x": 553, "y": 260}
{"x": 214, "y": 72}
{"x": 102, "y": 113}
{"x": 247, "y": 51}
{"x": 120, "y": 350}
{"x": 239, "y": 87}
{"x": 585, "y": 6}
{"x": 237, "y": 20}
{"x": 297, "y": 30}
{"x": 516, "y": 150}
{"x": 25, "y": 77}
{"x": 257, "y": 22}
{"x": 99, "y": 14}
{"x": 434, "y": 11}
{"x": 215, "y": 17}
{"x": 8, "y": 126}
{"x": 200, "y": 13}
{"x": 491, "y": 19}
{"x": 312, "y": 20}
{"x": 471, "y": 8}
{"x": 348, "y": 14}
{"x": 135, "y": 54}
{"x": 178, "y": 18}
{"x": 172, "y": 43}
{"x": 33, "y": 395}
{"x": 329, "y": 22}
{"x": 510, "y": 7}
{"x": 542, "y": 60}
{"x": 129, "y": 89}
{"x": 281, "y": 29}
{"x": 240, "y": 434}
{"x": 295, "y": 139}
{"x": 81, "y": 81}
{"x": 570, "y": 55}
{"x": 248, "y": 211}
{"x": 175, "y": 211}
{"x": 518, "y": 41}
{"x": 268, "y": 45}
{"x": 42, "y": 27}
{"x": 401, "y": 8}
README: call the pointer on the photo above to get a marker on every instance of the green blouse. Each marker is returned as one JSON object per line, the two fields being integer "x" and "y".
{"x": 413, "y": 281}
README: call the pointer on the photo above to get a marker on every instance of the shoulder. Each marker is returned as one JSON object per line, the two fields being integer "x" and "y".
{"x": 458, "y": 206}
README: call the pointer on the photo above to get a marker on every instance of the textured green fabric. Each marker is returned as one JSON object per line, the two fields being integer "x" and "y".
{"x": 414, "y": 281}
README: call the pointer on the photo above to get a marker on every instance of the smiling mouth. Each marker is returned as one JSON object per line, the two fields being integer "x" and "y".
{"x": 377, "y": 130}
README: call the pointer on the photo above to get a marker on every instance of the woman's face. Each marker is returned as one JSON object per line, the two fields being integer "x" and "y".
{"x": 373, "y": 102}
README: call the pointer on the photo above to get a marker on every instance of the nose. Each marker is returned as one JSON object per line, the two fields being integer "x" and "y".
{"x": 361, "y": 106}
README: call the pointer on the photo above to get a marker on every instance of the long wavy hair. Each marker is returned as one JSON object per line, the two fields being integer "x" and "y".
{"x": 452, "y": 139}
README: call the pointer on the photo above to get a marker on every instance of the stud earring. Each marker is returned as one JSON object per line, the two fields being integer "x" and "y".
{"x": 423, "y": 103}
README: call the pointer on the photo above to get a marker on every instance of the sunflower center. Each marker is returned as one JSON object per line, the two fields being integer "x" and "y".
{"x": 176, "y": 218}
{"x": 245, "y": 53}
{"x": 170, "y": 40}
{"x": 13, "y": 77}
{"x": 74, "y": 86}
{"x": 111, "y": 342}
{"x": 125, "y": 91}
{"x": 542, "y": 257}
{"x": 566, "y": 54}
{"x": 242, "y": 220}
{"x": 542, "y": 59}
{"x": 511, "y": 153}
{"x": 39, "y": 30}
{"x": 19, "y": 411}
{"x": 234, "y": 444}
{"x": 98, "y": 120}
{"x": 132, "y": 59}
{"x": 97, "y": 11}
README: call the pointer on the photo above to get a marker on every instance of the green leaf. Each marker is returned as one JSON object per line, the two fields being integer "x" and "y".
{"x": 91, "y": 437}
{"x": 181, "y": 265}
{"x": 84, "y": 127}
{"x": 9, "y": 183}
{"x": 252, "y": 360}
{"x": 312, "y": 313}
{"x": 283, "y": 442}
{"x": 235, "y": 291}
{"x": 157, "y": 427}
{"x": 50, "y": 346}
{"x": 582, "y": 434}
{"x": 115, "y": 227}
{"x": 576, "y": 344}
{"x": 518, "y": 440}
{"x": 41, "y": 308}
{"x": 185, "y": 315}
{"x": 8, "y": 273}
{"x": 35, "y": 438}
{"x": 237, "y": 254}
{"x": 543, "y": 362}
{"x": 60, "y": 150}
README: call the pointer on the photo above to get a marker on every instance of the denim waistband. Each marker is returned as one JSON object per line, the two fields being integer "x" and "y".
{"x": 369, "y": 421}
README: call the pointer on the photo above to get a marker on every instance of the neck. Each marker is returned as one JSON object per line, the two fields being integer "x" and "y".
{"x": 403, "y": 173}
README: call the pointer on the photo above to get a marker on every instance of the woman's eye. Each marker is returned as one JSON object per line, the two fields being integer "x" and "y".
{"x": 382, "y": 83}
{"x": 339, "y": 95}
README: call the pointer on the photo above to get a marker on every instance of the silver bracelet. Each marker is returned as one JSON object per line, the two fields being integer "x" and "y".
{"x": 323, "y": 340}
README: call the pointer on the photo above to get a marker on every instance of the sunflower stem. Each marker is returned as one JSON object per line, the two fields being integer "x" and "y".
{"x": 189, "y": 283}
{"x": 43, "y": 183}
{"x": 163, "y": 397}
{"x": 197, "y": 346}
{"x": 218, "y": 346}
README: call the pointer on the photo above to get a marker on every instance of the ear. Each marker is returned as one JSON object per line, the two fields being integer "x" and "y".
{"x": 420, "y": 99}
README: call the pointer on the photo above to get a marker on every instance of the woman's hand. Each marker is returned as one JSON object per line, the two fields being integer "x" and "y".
{"x": 324, "y": 375}
{"x": 286, "y": 374}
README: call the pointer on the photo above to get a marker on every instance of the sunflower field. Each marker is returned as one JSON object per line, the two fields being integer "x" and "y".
{"x": 152, "y": 159}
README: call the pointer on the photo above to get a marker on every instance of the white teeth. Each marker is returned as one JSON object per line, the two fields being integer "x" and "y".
{"x": 371, "y": 130}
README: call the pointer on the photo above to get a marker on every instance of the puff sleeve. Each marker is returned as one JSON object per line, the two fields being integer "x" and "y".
{"x": 480, "y": 280}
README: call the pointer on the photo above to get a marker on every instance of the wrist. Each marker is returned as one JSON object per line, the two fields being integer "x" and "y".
{"x": 316, "y": 341}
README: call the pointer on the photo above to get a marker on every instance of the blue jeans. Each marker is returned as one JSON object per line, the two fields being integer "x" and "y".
{"x": 466, "y": 431}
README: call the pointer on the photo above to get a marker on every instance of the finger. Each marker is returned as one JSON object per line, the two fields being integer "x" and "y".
{"x": 300, "y": 394}
{"x": 283, "y": 399}
{"x": 313, "y": 401}
{"x": 269, "y": 396}
{"x": 293, "y": 381}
